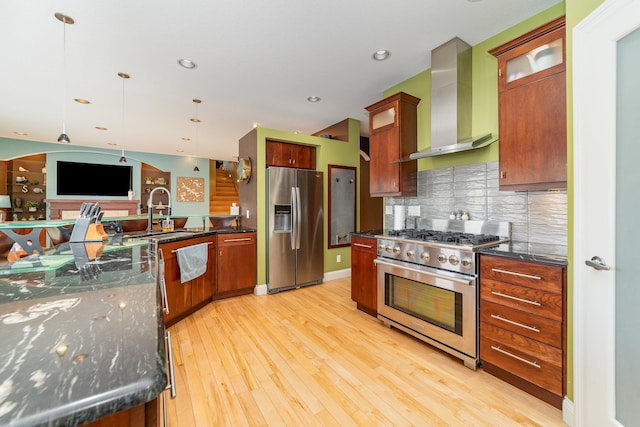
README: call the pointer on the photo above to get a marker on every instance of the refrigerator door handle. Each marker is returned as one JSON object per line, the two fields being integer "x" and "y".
{"x": 298, "y": 217}
{"x": 294, "y": 219}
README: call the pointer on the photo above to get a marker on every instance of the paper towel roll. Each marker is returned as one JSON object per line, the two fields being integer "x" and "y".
{"x": 398, "y": 217}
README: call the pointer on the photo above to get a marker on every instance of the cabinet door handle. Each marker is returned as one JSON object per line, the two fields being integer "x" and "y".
{"x": 522, "y": 325}
{"x": 526, "y": 301}
{"x": 514, "y": 273}
{"x": 360, "y": 245}
{"x": 163, "y": 282}
{"x": 522, "y": 359}
{"x": 172, "y": 385}
{"x": 244, "y": 239}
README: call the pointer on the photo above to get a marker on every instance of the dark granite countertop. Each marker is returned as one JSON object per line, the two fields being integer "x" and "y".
{"x": 367, "y": 233}
{"x": 515, "y": 252}
{"x": 82, "y": 336}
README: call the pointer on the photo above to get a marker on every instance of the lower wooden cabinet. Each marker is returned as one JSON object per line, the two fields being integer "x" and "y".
{"x": 523, "y": 325}
{"x": 236, "y": 264}
{"x": 145, "y": 415}
{"x": 184, "y": 298}
{"x": 363, "y": 274}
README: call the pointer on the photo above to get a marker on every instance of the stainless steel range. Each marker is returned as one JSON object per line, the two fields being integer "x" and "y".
{"x": 427, "y": 281}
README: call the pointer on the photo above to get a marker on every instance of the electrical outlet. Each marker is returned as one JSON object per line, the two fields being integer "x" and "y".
{"x": 338, "y": 258}
{"x": 247, "y": 213}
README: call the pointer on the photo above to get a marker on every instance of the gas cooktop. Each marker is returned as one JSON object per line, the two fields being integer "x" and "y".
{"x": 450, "y": 237}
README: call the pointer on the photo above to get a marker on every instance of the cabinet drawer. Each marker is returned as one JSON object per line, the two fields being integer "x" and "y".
{"x": 535, "y": 327}
{"x": 364, "y": 244}
{"x": 234, "y": 239}
{"x": 530, "y": 360}
{"x": 522, "y": 298}
{"x": 534, "y": 275}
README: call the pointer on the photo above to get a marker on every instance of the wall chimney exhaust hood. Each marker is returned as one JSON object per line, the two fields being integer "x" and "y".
{"x": 451, "y": 102}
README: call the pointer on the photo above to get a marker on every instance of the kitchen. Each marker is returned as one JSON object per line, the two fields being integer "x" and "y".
{"x": 331, "y": 255}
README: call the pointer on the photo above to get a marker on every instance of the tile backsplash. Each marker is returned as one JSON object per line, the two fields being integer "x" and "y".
{"x": 538, "y": 218}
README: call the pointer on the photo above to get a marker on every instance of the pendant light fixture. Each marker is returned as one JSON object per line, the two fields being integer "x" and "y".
{"x": 124, "y": 77}
{"x": 65, "y": 20}
{"x": 196, "y": 120}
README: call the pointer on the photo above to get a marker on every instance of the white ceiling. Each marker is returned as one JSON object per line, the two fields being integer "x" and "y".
{"x": 258, "y": 61}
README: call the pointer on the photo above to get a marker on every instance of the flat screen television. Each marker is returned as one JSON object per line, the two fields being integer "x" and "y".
{"x": 92, "y": 179}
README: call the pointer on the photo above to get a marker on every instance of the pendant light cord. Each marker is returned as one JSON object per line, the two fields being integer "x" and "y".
{"x": 64, "y": 75}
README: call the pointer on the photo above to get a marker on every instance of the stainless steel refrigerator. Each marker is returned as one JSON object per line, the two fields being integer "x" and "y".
{"x": 295, "y": 229}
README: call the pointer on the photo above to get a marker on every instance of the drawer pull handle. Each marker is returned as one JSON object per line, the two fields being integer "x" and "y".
{"x": 506, "y": 353}
{"x": 513, "y": 273}
{"x": 522, "y": 325}
{"x": 363, "y": 246}
{"x": 244, "y": 239}
{"x": 500, "y": 294}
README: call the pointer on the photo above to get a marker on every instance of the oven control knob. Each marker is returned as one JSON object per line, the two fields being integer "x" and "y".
{"x": 425, "y": 256}
{"x": 454, "y": 260}
{"x": 381, "y": 248}
{"x": 442, "y": 258}
{"x": 388, "y": 249}
{"x": 466, "y": 262}
{"x": 411, "y": 254}
{"x": 396, "y": 250}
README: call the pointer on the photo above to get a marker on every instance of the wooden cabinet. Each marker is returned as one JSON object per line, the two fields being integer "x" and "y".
{"x": 26, "y": 186}
{"x": 523, "y": 325}
{"x": 236, "y": 264}
{"x": 150, "y": 178}
{"x": 145, "y": 415}
{"x": 393, "y": 135}
{"x": 184, "y": 298}
{"x": 290, "y": 155}
{"x": 363, "y": 274}
{"x": 532, "y": 109}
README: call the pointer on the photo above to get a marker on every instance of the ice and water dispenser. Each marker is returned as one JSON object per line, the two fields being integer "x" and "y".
{"x": 282, "y": 218}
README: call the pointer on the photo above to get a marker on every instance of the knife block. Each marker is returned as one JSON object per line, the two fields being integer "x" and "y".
{"x": 85, "y": 231}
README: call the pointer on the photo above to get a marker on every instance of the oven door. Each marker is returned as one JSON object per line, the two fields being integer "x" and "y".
{"x": 439, "y": 307}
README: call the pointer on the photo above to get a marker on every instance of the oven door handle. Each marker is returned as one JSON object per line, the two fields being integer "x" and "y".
{"x": 463, "y": 281}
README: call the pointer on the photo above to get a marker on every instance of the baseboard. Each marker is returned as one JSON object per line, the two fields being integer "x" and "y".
{"x": 338, "y": 274}
{"x": 331, "y": 275}
{"x": 260, "y": 289}
{"x": 568, "y": 412}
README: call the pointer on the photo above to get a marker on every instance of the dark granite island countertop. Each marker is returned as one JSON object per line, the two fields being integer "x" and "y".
{"x": 79, "y": 340}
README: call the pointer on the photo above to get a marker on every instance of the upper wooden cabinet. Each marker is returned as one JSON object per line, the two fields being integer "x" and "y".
{"x": 290, "y": 155}
{"x": 393, "y": 135}
{"x": 533, "y": 109}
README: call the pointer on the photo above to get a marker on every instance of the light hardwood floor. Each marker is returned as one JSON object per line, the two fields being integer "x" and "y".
{"x": 307, "y": 357}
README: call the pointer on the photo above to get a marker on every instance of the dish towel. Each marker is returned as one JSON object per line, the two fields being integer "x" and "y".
{"x": 192, "y": 261}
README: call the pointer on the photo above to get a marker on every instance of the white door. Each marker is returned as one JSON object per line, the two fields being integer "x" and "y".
{"x": 606, "y": 77}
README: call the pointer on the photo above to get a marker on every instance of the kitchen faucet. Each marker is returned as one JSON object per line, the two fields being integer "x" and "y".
{"x": 150, "y": 207}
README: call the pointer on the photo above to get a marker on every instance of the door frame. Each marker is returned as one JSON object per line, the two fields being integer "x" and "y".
{"x": 594, "y": 108}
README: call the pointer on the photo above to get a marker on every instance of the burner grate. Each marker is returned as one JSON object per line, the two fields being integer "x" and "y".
{"x": 451, "y": 237}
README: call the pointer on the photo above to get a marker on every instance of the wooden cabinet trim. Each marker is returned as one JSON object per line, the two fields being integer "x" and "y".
{"x": 534, "y": 34}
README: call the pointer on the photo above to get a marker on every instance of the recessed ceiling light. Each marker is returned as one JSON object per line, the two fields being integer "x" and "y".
{"x": 186, "y": 138}
{"x": 313, "y": 99}
{"x": 101, "y": 128}
{"x": 82, "y": 101}
{"x": 112, "y": 143}
{"x": 180, "y": 151}
{"x": 381, "y": 55}
{"x": 21, "y": 133}
{"x": 187, "y": 63}
{"x": 195, "y": 120}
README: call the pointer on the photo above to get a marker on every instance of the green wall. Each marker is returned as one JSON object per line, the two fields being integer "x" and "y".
{"x": 329, "y": 152}
{"x": 179, "y": 166}
{"x": 484, "y": 96}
